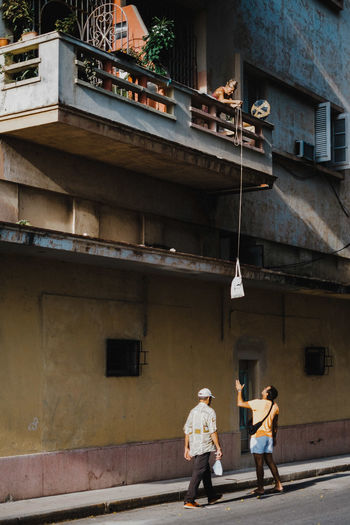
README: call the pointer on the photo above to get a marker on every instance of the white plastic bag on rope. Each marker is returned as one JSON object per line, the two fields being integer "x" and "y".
{"x": 217, "y": 468}
{"x": 237, "y": 285}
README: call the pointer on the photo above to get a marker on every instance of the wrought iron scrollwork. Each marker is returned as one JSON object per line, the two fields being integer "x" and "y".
{"x": 107, "y": 28}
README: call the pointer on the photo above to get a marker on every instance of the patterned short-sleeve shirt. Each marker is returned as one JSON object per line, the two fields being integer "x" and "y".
{"x": 200, "y": 424}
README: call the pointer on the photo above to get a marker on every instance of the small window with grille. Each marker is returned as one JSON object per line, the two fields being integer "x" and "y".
{"x": 315, "y": 361}
{"x": 318, "y": 360}
{"x": 123, "y": 357}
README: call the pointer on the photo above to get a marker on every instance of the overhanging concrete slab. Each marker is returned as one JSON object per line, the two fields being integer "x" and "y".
{"x": 29, "y": 241}
{"x": 59, "y": 109}
{"x": 81, "y": 134}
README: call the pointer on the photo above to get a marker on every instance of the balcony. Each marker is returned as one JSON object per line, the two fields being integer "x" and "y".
{"x": 62, "y": 93}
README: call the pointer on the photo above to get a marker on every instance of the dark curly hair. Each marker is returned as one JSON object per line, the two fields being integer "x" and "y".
{"x": 272, "y": 393}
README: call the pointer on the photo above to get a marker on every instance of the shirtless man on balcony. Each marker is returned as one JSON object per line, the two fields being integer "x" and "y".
{"x": 224, "y": 94}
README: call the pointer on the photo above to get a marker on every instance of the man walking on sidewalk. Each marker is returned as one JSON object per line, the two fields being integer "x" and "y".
{"x": 201, "y": 438}
{"x": 264, "y": 410}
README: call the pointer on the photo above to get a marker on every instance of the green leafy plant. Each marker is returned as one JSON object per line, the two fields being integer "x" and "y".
{"x": 18, "y": 16}
{"x": 23, "y": 222}
{"x": 88, "y": 70}
{"x": 24, "y": 73}
{"x": 67, "y": 25}
{"x": 137, "y": 55}
{"x": 159, "y": 41}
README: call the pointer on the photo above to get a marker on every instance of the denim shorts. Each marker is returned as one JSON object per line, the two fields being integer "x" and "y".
{"x": 261, "y": 445}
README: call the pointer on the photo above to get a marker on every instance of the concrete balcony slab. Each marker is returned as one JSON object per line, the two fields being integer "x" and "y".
{"x": 144, "y": 122}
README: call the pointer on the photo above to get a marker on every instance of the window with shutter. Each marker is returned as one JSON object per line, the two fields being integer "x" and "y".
{"x": 323, "y": 132}
{"x": 341, "y": 157}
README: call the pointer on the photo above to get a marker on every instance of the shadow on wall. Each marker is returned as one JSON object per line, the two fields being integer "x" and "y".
{"x": 52, "y": 170}
{"x": 299, "y": 213}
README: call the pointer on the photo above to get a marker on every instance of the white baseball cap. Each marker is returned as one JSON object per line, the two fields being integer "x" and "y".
{"x": 205, "y": 392}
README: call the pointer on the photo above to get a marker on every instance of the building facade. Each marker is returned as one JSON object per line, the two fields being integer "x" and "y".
{"x": 119, "y": 206}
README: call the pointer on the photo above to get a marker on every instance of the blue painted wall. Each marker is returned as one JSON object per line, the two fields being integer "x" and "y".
{"x": 305, "y": 43}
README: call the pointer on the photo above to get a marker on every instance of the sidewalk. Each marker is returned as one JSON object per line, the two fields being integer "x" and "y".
{"x": 96, "y": 502}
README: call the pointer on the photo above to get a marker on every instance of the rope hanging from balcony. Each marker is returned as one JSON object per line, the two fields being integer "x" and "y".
{"x": 237, "y": 289}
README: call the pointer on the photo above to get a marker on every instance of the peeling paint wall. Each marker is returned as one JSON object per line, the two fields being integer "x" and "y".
{"x": 55, "y": 318}
{"x": 303, "y": 41}
{"x": 295, "y": 43}
{"x": 57, "y": 191}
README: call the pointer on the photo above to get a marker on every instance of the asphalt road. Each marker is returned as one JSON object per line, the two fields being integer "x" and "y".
{"x": 324, "y": 500}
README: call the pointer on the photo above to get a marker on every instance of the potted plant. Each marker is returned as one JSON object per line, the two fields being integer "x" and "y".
{"x": 18, "y": 17}
{"x": 159, "y": 41}
{"x": 4, "y": 40}
{"x": 67, "y": 25}
{"x": 28, "y": 34}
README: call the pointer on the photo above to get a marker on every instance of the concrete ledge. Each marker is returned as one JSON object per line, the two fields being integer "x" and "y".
{"x": 118, "y": 499}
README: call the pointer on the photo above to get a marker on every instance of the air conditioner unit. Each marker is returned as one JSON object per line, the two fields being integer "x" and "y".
{"x": 303, "y": 150}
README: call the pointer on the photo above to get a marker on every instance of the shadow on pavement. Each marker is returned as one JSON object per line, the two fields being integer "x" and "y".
{"x": 288, "y": 488}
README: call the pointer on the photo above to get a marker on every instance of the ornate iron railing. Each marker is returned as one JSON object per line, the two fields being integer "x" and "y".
{"x": 107, "y": 28}
{"x": 100, "y": 23}
{"x": 81, "y": 8}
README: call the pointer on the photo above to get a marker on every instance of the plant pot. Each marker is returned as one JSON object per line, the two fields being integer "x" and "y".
{"x": 28, "y": 35}
{"x": 4, "y": 42}
{"x": 123, "y": 55}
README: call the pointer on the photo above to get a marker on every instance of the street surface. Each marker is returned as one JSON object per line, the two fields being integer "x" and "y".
{"x": 324, "y": 500}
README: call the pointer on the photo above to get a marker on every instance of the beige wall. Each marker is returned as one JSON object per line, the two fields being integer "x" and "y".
{"x": 31, "y": 165}
{"x": 56, "y": 211}
{"x": 54, "y": 319}
{"x": 53, "y": 190}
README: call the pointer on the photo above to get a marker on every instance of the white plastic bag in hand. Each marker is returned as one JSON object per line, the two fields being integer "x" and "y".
{"x": 237, "y": 285}
{"x": 217, "y": 468}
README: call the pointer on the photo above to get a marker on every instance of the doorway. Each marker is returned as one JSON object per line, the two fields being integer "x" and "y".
{"x": 247, "y": 376}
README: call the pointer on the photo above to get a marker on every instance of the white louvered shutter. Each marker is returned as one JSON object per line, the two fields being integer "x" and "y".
{"x": 323, "y": 132}
{"x": 341, "y": 157}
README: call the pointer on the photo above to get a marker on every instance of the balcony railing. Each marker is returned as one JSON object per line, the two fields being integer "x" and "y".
{"x": 210, "y": 115}
{"x": 56, "y": 73}
{"x": 121, "y": 77}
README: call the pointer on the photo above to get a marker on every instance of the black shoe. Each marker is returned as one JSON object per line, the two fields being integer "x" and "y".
{"x": 213, "y": 500}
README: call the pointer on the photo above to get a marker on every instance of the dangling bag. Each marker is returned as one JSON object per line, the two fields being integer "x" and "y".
{"x": 217, "y": 468}
{"x": 237, "y": 285}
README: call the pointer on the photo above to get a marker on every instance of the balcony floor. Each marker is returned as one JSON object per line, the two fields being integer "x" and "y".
{"x": 82, "y": 134}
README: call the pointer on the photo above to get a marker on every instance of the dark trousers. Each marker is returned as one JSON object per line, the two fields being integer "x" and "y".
{"x": 201, "y": 472}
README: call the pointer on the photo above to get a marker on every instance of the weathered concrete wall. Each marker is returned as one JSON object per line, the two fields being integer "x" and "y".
{"x": 3, "y": 29}
{"x": 55, "y": 317}
{"x": 300, "y": 212}
{"x": 52, "y": 170}
{"x": 301, "y": 43}
{"x": 304, "y": 42}
{"x": 57, "y": 191}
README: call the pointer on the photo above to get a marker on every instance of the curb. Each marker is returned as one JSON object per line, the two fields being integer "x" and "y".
{"x": 157, "y": 499}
